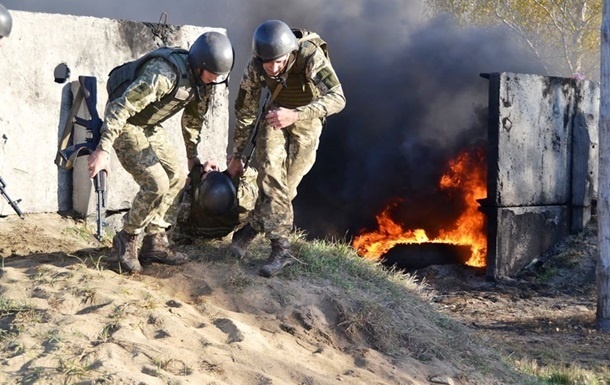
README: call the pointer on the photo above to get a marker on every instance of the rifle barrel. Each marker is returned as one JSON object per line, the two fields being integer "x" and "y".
{"x": 99, "y": 182}
{"x": 12, "y": 203}
{"x": 252, "y": 143}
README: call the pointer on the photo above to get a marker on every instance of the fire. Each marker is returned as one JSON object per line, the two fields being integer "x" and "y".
{"x": 466, "y": 176}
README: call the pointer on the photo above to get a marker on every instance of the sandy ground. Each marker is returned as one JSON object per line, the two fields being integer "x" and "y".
{"x": 68, "y": 316}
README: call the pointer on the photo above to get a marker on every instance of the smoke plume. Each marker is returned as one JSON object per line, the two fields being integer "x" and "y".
{"x": 415, "y": 97}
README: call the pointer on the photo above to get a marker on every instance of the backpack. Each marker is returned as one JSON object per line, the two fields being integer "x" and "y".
{"x": 122, "y": 76}
{"x": 303, "y": 35}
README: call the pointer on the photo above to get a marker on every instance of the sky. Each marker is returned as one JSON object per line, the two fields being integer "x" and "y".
{"x": 415, "y": 97}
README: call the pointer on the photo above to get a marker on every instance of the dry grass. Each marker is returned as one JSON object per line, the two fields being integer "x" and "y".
{"x": 330, "y": 301}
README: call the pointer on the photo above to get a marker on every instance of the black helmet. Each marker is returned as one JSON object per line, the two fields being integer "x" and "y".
{"x": 216, "y": 193}
{"x": 212, "y": 51}
{"x": 6, "y": 22}
{"x": 273, "y": 39}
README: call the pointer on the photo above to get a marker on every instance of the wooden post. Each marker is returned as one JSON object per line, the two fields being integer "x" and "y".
{"x": 603, "y": 200}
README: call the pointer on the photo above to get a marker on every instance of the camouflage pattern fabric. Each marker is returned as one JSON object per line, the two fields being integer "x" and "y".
{"x": 284, "y": 156}
{"x": 247, "y": 192}
{"x": 331, "y": 100}
{"x": 157, "y": 79}
{"x": 147, "y": 154}
{"x": 146, "y": 151}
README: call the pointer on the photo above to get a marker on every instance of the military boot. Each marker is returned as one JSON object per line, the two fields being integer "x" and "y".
{"x": 279, "y": 258}
{"x": 241, "y": 240}
{"x": 125, "y": 247}
{"x": 155, "y": 248}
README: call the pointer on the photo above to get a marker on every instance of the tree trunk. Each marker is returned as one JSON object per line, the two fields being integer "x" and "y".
{"x": 603, "y": 199}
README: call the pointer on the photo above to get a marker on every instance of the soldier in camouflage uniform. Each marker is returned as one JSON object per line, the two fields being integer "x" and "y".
{"x": 295, "y": 69}
{"x": 6, "y": 22}
{"x": 164, "y": 82}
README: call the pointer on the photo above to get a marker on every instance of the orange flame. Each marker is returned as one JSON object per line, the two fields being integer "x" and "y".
{"x": 466, "y": 175}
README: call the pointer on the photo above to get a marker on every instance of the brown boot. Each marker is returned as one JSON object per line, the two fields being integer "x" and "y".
{"x": 241, "y": 240}
{"x": 155, "y": 248}
{"x": 279, "y": 258}
{"x": 125, "y": 247}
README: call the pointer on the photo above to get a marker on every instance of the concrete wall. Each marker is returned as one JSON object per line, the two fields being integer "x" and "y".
{"x": 34, "y": 108}
{"x": 543, "y": 135}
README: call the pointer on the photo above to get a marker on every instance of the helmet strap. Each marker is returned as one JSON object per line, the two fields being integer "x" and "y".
{"x": 283, "y": 77}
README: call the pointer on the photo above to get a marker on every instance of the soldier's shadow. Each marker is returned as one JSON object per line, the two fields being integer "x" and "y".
{"x": 32, "y": 263}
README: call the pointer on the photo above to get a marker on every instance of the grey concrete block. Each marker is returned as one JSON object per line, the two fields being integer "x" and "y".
{"x": 543, "y": 165}
{"x": 531, "y": 132}
{"x": 517, "y": 235}
{"x": 34, "y": 108}
{"x": 585, "y": 156}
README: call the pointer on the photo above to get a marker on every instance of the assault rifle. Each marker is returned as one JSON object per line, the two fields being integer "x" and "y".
{"x": 14, "y": 204}
{"x": 266, "y": 104}
{"x": 67, "y": 155}
{"x": 249, "y": 150}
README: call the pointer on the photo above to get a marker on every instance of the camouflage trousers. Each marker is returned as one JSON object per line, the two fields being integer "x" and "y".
{"x": 148, "y": 155}
{"x": 284, "y": 157}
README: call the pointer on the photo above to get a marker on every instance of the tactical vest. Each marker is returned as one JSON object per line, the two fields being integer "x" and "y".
{"x": 121, "y": 77}
{"x": 299, "y": 90}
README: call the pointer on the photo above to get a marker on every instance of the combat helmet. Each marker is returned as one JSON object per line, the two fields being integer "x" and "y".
{"x": 6, "y": 22}
{"x": 212, "y": 51}
{"x": 273, "y": 39}
{"x": 216, "y": 193}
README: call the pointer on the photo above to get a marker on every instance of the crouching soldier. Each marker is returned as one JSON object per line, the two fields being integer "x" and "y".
{"x": 142, "y": 95}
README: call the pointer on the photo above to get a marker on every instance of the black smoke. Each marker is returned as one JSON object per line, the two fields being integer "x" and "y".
{"x": 406, "y": 116}
{"x": 415, "y": 97}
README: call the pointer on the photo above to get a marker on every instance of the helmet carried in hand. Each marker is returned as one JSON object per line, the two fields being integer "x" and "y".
{"x": 216, "y": 194}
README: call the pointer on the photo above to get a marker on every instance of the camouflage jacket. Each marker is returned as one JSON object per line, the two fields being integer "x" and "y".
{"x": 156, "y": 80}
{"x": 318, "y": 67}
